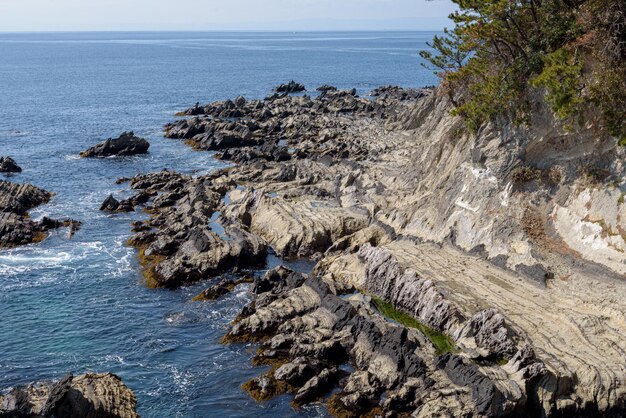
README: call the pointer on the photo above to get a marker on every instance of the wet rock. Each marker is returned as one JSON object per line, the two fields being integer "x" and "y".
{"x": 110, "y": 204}
{"x": 126, "y": 144}
{"x": 8, "y": 165}
{"x": 291, "y": 87}
{"x": 185, "y": 244}
{"x": 89, "y": 396}
{"x": 221, "y": 288}
{"x": 317, "y": 386}
{"x": 16, "y": 227}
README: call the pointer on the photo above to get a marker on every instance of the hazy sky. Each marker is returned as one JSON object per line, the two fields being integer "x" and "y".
{"x": 72, "y": 15}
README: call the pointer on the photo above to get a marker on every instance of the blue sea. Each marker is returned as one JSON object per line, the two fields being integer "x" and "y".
{"x": 77, "y": 305}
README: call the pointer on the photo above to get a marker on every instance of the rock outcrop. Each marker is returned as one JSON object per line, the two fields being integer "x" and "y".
{"x": 502, "y": 310}
{"x": 291, "y": 87}
{"x": 85, "y": 396}
{"x": 16, "y": 227}
{"x": 8, "y": 165}
{"x": 126, "y": 144}
{"x": 183, "y": 241}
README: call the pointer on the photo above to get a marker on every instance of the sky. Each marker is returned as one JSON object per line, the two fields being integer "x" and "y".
{"x": 289, "y": 15}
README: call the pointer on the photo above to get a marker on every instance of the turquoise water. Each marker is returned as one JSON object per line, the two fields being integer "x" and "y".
{"x": 74, "y": 305}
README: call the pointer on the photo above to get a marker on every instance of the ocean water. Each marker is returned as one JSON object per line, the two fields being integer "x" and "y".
{"x": 77, "y": 305}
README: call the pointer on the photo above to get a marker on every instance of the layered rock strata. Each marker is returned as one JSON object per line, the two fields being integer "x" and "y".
{"x": 463, "y": 235}
{"x": 85, "y": 396}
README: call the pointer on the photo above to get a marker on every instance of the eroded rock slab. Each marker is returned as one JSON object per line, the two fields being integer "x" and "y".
{"x": 85, "y": 396}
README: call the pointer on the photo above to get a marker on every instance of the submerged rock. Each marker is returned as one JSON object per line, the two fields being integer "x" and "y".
{"x": 126, "y": 144}
{"x": 85, "y": 396}
{"x": 8, "y": 165}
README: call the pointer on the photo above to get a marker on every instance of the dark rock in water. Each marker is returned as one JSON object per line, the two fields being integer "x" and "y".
{"x": 180, "y": 243}
{"x": 326, "y": 88}
{"x": 20, "y": 198}
{"x": 291, "y": 87}
{"x": 49, "y": 223}
{"x": 16, "y": 227}
{"x": 8, "y": 165}
{"x": 110, "y": 203}
{"x": 221, "y": 288}
{"x": 89, "y": 395}
{"x": 125, "y": 144}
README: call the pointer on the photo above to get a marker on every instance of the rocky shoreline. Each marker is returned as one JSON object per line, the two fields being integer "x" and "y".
{"x": 392, "y": 320}
{"x": 446, "y": 284}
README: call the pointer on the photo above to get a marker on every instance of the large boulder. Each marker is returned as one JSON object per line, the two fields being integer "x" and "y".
{"x": 8, "y": 165}
{"x": 86, "y": 396}
{"x": 125, "y": 144}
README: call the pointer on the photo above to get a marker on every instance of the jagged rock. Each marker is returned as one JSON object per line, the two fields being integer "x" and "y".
{"x": 489, "y": 400}
{"x": 395, "y": 197}
{"x": 398, "y": 93}
{"x": 221, "y": 288}
{"x": 277, "y": 280}
{"x": 16, "y": 227}
{"x": 85, "y": 396}
{"x": 186, "y": 245}
{"x": 317, "y": 386}
{"x": 8, "y": 165}
{"x": 110, "y": 204}
{"x": 126, "y": 144}
{"x": 291, "y": 87}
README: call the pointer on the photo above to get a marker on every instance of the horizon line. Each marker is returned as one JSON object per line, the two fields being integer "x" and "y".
{"x": 219, "y": 31}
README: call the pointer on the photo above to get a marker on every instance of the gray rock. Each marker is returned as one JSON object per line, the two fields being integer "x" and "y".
{"x": 85, "y": 396}
{"x": 126, "y": 144}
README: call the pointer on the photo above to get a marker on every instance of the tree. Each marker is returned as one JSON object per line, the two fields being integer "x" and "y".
{"x": 499, "y": 51}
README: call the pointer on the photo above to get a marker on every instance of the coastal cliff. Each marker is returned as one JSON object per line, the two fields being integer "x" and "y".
{"x": 458, "y": 273}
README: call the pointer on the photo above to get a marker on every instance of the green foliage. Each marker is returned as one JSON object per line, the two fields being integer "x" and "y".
{"x": 500, "y": 51}
{"x": 442, "y": 342}
{"x": 451, "y": 55}
{"x": 562, "y": 79}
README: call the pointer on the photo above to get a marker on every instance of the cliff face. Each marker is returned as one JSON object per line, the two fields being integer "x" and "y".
{"x": 559, "y": 221}
{"x": 533, "y": 199}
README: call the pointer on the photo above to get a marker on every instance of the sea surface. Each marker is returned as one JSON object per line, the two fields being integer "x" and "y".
{"x": 77, "y": 305}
